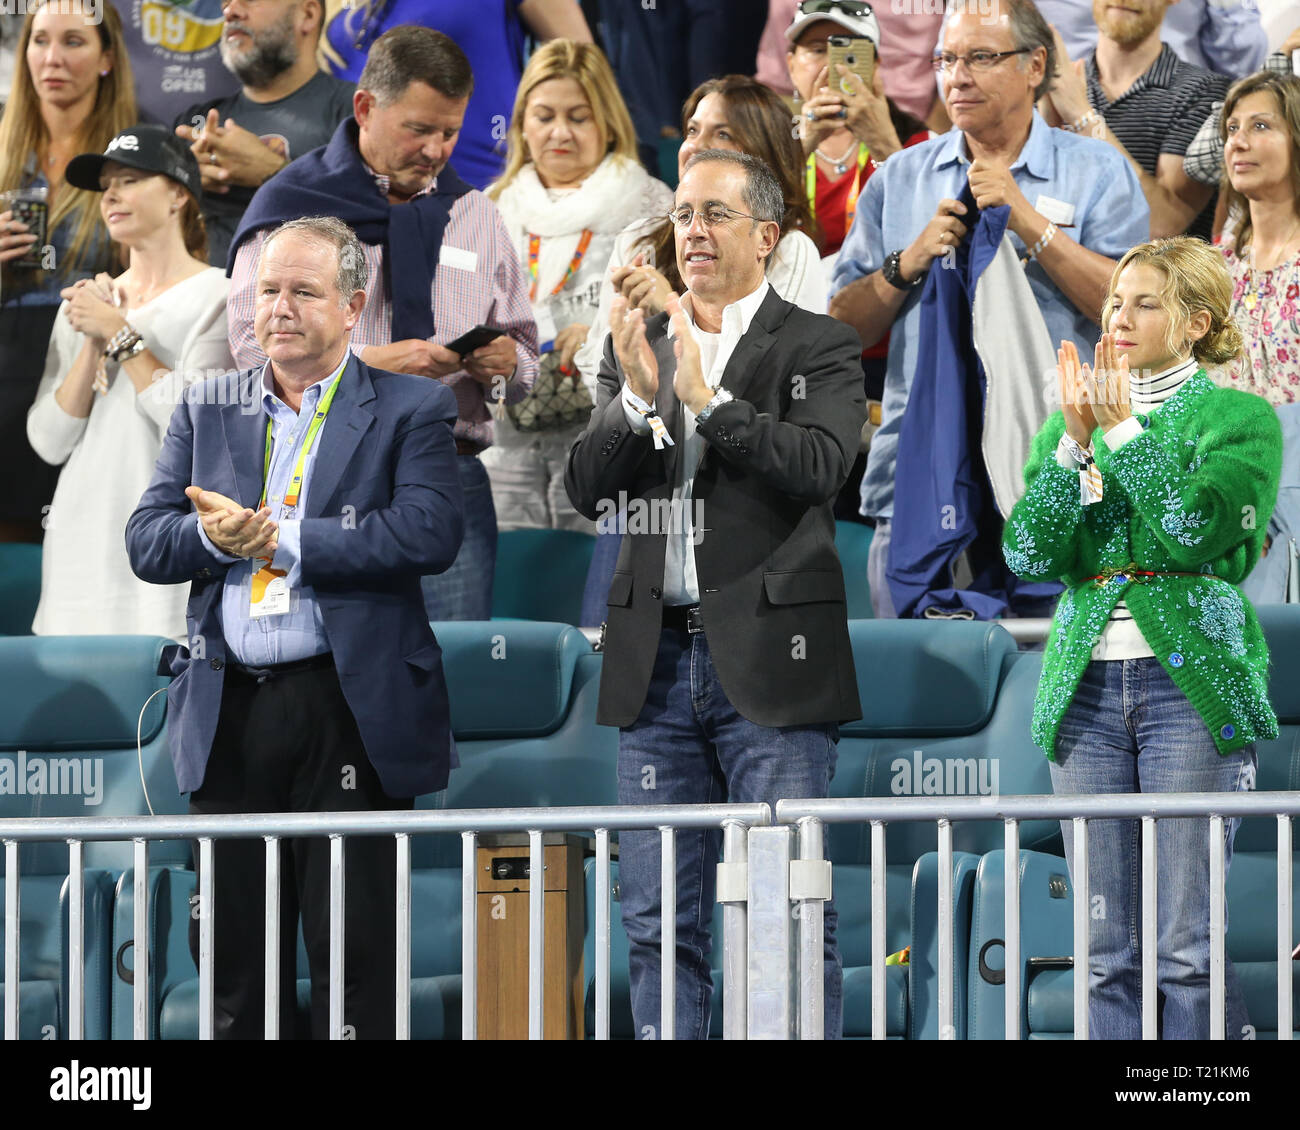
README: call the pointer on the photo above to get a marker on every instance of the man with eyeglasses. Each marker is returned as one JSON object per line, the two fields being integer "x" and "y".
{"x": 1075, "y": 208}
{"x": 723, "y": 429}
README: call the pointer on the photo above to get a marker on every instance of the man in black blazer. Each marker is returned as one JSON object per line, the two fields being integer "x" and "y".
{"x": 723, "y": 430}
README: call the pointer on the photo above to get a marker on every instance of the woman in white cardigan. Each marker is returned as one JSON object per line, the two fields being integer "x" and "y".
{"x": 572, "y": 182}
{"x": 121, "y": 354}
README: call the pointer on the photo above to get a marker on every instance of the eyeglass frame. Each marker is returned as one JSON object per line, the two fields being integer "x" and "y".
{"x": 731, "y": 213}
{"x": 995, "y": 57}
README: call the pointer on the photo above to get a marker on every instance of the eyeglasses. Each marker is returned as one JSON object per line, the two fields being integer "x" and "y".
{"x": 847, "y": 7}
{"x": 976, "y": 60}
{"x": 712, "y": 215}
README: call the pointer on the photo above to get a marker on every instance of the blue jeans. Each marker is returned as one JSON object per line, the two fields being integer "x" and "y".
{"x": 1129, "y": 729}
{"x": 464, "y": 592}
{"x": 600, "y": 575}
{"x": 690, "y": 746}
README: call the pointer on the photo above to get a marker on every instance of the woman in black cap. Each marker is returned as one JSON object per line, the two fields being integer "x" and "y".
{"x": 121, "y": 354}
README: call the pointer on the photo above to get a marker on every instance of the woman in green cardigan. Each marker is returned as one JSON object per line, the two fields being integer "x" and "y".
{"x": 1149, "y": 495}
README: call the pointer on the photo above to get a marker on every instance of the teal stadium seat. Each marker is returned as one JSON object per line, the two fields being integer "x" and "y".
{"x": 20, "y": 587}
{"x": 69, "y": 708}
{"x": 853, "y": 543}
{"x": 540, "y": 575}
{"x": 937, "y": 721}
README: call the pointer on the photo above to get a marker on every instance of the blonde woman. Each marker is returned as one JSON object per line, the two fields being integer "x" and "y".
{"x": 572, "y": 183}
{"x": 1155, "y": 673}
{"x": 121, "y": 354}
{"x": 72, "y": 91}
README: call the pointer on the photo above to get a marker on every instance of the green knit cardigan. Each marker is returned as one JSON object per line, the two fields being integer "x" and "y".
{"x": 1192, "y": 494}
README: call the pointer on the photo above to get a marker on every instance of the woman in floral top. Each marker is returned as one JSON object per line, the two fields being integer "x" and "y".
{"x": 1155, "y": 674}
{"x": 1261, "y": 135}
{"x": 1261, "y": 132}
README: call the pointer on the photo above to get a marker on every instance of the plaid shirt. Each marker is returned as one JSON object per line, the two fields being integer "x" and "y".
{"x": 480, "y": 281}
{"x": 1203, "y": 161}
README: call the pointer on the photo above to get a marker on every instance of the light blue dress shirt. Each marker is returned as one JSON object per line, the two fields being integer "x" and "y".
{"x": 1110, "y": 215}
{"x": 300, "y": 632}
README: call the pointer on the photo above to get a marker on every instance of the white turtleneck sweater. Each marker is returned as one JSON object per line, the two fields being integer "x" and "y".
{"x": 1121, "y": 638}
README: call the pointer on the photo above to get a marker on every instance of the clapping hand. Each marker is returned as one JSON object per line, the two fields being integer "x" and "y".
{"x": 635, "y": 357}
{"x": 94, "y": 307}
{"x": 1109, "y": 378}
{"x": 688, "y": 381}
{"x": 1076, "y": 399}
{"x": 232, "y": 528}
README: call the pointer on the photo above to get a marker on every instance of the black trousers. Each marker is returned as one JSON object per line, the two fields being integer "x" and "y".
{"x": 289, "y": 743}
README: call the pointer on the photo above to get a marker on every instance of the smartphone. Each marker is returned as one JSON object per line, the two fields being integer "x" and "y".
{"x": 478, "y": 337}
{"x": 33, "y": 213}
{"x": 857, "y": 53}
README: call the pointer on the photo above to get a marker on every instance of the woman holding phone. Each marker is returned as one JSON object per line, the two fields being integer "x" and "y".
{"x": 1155, "y": 674}
{"x": 72, "y": 91}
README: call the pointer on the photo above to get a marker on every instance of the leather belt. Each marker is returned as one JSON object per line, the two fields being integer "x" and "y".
{"x": 467, "y": 447}
{"x": 276, "y": 670}
{"x": 684, "y": 617}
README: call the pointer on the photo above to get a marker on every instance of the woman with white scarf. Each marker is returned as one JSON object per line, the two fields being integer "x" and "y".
{"x": 572, "y": 182}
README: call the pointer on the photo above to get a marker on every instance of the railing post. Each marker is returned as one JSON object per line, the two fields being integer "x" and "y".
{"x": 402, "y": 987}
{"x": 879, "y": 888}
{"x": 1218, "y": 983}
{"x": 1150, "y": 926}
{"x": 733, "y": 893}
{"x": 207, "y": 913}
{"x": 1011, "y": 927}
{"x": 771, "y": 949}
{"x": 667, "y": 934}
{"x": 810, "y": 888}
{"x": 947, "y": 1029}
{"x": 536, "y": 933}
{"x": 602, "y": 933}
{"x": 271, "y": 998}
{"x": 338, "y": 893}
{"x": 468, "y": 936}
{"x": 1284, "y": 935}
{"x": 76, "y": 943}
{"x": 140, "y": 943}
{"x": 1081, "y": 925}
{"x": 13, "y": 938}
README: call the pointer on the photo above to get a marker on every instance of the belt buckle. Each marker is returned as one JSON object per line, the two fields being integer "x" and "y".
{"x": 694, "y": 620}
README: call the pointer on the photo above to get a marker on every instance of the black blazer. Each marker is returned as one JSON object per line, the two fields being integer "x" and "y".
{"x": 771, "y": 588}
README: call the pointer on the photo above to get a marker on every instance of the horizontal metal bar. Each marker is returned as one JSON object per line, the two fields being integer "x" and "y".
{"x": 615, "y": 818}
{"x": 1032, "y": 629}
{"x": 857, "y": 810}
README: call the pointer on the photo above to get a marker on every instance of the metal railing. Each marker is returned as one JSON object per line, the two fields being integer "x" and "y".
{"x": 772, "y": 958}
{"x": 733, "y": 819}
{"x": 810, "y": 815}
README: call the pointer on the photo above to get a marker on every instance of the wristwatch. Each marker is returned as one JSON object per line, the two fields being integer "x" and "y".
{"x": 893, "y": 272}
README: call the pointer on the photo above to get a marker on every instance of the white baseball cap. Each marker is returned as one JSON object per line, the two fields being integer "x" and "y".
{"x": 855, "y": 16}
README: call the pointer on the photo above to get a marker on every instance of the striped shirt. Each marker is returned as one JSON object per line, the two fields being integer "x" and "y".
{"x": 479, "y": 281}
{"x": 1160, "y": 113}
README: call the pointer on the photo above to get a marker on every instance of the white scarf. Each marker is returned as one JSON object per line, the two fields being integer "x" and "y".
{"x": 606, "y": 202}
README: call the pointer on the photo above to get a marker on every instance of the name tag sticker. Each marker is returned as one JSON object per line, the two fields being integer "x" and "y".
{"x": 458, "y": 257}
{"x": 1058, "y": 211}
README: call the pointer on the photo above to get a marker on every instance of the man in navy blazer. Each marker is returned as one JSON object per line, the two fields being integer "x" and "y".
{"x": 304, "y": 501}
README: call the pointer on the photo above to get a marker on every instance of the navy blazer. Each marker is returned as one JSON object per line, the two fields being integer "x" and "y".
{"x": 384, "y": 509}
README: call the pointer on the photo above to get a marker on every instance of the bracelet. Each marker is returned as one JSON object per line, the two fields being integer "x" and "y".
{"x": 1083, "y": 123}
{"x": 125, "y": 343}
{"x": 1043, "y": 241}
{"x": 722, "y": 396}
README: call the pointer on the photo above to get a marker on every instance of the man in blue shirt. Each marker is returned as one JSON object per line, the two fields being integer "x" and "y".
{"x": 322, "y": 490}
{"x": 1076, "y": 207}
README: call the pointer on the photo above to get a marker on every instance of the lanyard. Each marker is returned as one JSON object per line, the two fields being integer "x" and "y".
{"x": 317, "y": 421}
{"x": 534, "y": 245}
{"x": 851, "y": 204}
